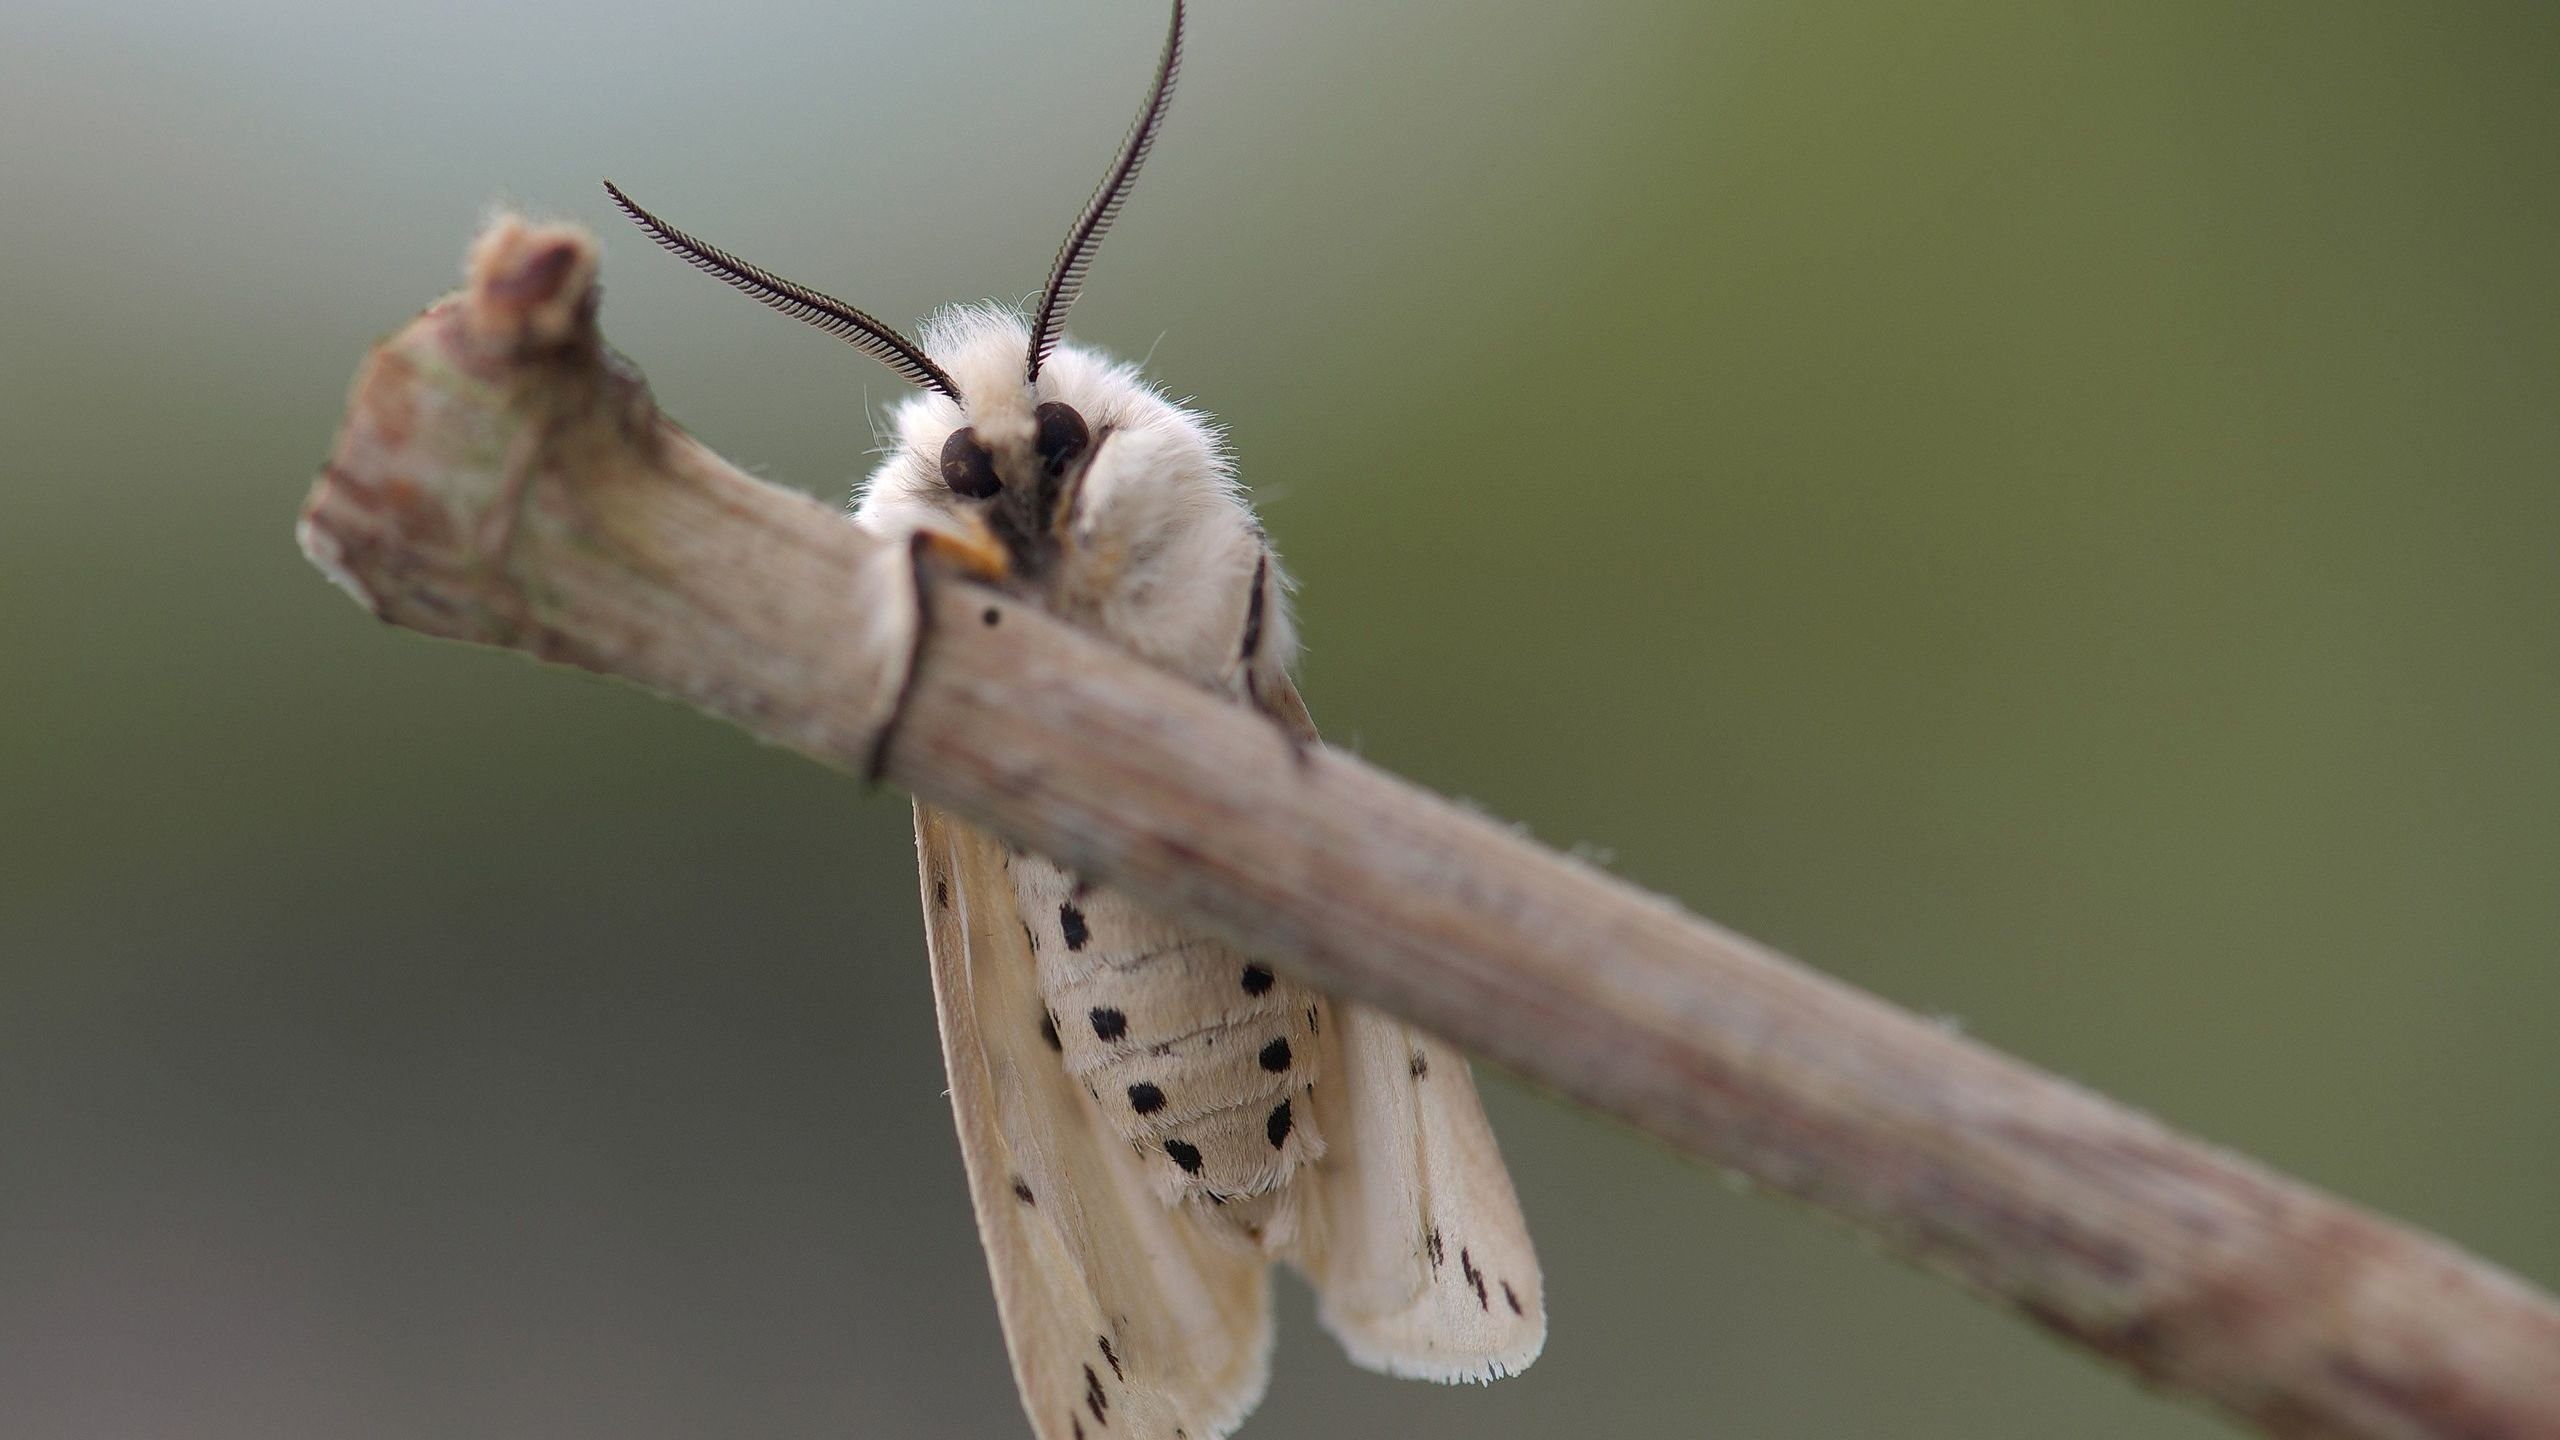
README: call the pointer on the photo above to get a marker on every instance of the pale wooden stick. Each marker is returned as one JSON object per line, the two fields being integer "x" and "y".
{"x": 629, "y": 549}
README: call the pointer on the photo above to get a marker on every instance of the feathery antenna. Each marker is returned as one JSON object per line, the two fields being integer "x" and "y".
{"x": 797, "y": 301}
{"x": 1066, "y": 276}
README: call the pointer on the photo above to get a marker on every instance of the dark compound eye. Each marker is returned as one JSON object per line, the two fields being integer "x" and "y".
{"x": 967, "y": 467}
{"x": 1062, "y": 437}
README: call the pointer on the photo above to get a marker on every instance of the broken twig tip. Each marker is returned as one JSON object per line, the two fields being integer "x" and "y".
{"x": 530, "y": 286}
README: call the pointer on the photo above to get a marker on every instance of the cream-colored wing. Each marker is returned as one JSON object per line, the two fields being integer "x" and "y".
{"x": 1124, "y": 1319}
{"x": 1412, "y": 1236}
{"x": 1421, "y": 1263}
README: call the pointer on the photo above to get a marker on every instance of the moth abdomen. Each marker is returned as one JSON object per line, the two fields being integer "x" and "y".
{"x": 1198, "y": 1058}
{"x": 1169, "y": 1086}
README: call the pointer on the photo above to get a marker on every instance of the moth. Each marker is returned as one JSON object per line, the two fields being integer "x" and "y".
{"x": 1150, "y": 1119}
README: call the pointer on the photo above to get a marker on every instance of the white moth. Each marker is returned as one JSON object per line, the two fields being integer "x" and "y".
{"x": 1149, "y": 1118}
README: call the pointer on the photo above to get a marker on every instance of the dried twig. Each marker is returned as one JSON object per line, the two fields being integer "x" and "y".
{"x": 501, "y": 478}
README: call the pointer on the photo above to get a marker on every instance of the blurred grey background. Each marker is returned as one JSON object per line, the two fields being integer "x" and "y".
{"x": 2047, "y": 512}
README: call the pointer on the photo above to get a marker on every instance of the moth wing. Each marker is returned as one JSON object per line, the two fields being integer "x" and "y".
{"x": 1122, "y": 1316}
{"x": 1414, "y": 1243}
{"x": 1413, "y": 1239}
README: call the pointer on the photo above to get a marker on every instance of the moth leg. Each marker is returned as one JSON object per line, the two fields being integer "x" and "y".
{"x": 1301, "y": 749}
{"x": 974, "y": 557}
{"x": 1277, "y": 702}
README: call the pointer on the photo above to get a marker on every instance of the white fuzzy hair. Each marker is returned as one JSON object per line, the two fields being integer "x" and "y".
{"x": 1160, "y": 553}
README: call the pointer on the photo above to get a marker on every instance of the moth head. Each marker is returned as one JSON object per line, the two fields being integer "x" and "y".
{"x": 1012, "y": 434}
{"x": 1012, "y": 452}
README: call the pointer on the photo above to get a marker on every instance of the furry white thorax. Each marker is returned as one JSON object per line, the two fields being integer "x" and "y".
{"x": 1159, "y": 549}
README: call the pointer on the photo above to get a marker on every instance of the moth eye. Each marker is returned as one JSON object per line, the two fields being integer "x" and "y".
{"x": 1063, "y": 435}
{"x": 967, "y": 467}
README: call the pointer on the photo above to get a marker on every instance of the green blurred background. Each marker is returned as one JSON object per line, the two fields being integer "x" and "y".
{"x": 2047, "y": 512}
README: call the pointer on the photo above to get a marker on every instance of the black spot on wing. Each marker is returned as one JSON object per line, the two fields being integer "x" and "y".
{"x": 1022, "y": 1191}
{"x": 1049, "y": 1031}
{"x": 1277, "y": 1126}
{"x": 1185, "y": 1154}
{"x": 1512, "y": 1298}
{"x": 1431, "y": 1246}
{"x": 1119, "y": 1374}
{"x": 1475, "y": 1277}
{"x": 992, "y": 616}
{"x": 1421, "y": 1065}
{"x": 1071, "y": 925}
{"x": 1275, "y": 1056}
{"x": 941, "y": 895}
{"x": 1108, "y": 1024}
{"x": 1315, "y": 1026}
{"x": 1145, "y": 1098}
{"x": 1257, "y": 979}
{"x": 1094, "y": 1399}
